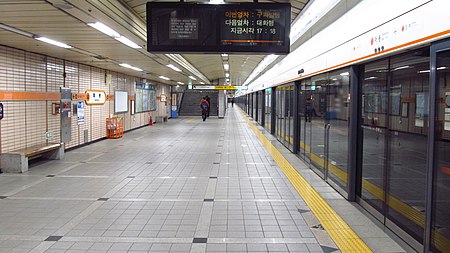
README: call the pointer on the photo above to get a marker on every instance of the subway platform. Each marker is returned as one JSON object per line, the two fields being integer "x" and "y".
{"x": 223, "y": 185}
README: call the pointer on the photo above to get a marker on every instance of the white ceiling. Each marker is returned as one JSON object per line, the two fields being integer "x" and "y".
{"x": 66, "y": 21}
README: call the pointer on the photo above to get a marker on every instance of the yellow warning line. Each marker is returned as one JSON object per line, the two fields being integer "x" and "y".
{"x": 344, "y": 237}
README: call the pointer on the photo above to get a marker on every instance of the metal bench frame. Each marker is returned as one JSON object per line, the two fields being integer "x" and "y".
{"x": 17, "y": 161}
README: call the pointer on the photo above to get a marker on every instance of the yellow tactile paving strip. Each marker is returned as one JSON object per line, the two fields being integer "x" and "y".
{"x": 344, "y": 237}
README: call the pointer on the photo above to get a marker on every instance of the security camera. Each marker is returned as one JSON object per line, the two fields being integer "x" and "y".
{"x": 301, "y": 71}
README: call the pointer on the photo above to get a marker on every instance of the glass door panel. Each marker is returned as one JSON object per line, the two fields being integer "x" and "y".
{"x": 316, "y": 113}
{"x": 408, "y": 128}
{"x": 338, "y": 120}
{"x": 440, "y": 236}
{"x": 305, "y": 139}
{"x": 291, "y": 118}
{"x": 374, "y": 103}
{"x": 268, "y": 110}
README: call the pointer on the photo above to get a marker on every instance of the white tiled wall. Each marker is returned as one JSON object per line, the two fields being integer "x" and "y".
{"x": 25, "y": 123}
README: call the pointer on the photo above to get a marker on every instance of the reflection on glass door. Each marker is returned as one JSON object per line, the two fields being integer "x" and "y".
{"x": 440, "y": 238}
{"x": 305, "y": 122}
{"x": 316, "y": 105}
{"x": 337, "y": 128}
{"x": 374, "y": 103}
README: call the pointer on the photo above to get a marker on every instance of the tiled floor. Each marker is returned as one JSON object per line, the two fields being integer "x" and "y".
{"x": 184, "y": 186}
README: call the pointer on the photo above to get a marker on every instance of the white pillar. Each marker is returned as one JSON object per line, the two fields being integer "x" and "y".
{"x": 222, "y": 103}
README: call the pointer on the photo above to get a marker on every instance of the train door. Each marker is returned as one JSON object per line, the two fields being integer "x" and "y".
{"x": 440, "y": 174}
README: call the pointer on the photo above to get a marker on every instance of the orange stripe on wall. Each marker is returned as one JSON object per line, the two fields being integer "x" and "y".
{"x": 411, "y": 43}
{"x": 35, "y": 96}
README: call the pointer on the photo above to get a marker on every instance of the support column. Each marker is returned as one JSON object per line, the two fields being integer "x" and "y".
{"x": 355, "y": 136}
{"x": 222, "y": 103}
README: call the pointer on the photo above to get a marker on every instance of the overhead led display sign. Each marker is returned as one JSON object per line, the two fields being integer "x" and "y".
{"x": 225, "y": 28}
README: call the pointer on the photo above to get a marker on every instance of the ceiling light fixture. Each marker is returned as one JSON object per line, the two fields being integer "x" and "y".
{"x": 180, "y": 83}
{"x": 224, "y": 55}
{"x": 110, "y": 32}
{"x": 15, "y": 30}
{"x": 173, "y": 67}
{"x": 193, "y": 78}
{"x": 127, "y": 42}
{"x": 227, "y": 74}
{"x": 202, "y": 83}
{"x": 345, "y": 74}
{"x": 125, "y": 65}
{"x": 104, "y": 29}
{"x": 402, "y": 67}
{"x": 53, "y": 42}
{"x": 226, "y": 66}
{"x": 163, "y": 77}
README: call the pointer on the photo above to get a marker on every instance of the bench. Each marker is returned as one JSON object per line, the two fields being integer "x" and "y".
{"x": 17, "y": 160}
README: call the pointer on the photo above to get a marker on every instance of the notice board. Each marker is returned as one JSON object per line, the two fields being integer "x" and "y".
{"x": 225, "y": 28}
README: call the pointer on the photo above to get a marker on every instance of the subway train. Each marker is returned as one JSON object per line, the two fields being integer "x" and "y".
{"x": 366, "y": 103}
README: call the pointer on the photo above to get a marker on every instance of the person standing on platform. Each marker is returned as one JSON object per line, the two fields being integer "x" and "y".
{"x": 308, "y": 105}
{"x": 209, "y": 104}
{"x": 204, "y": 105}
{"x": 232, "y": 102}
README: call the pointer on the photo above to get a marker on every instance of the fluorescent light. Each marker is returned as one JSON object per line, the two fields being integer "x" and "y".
{"x": 53, "y": 42}
{"x": 428, "y": 71}
{"x": 180, "y": 83}
{"x": 104, "y": 29}
{"x": 15, "y": 30}
{"x": 226, "y": 66}
{"x": 402, "y": 67}
{"x": 227, "y": 74}
{"x": 178, "y": 86}
{"x": 224, "y": 55}
{"x": 163, "y": 77}
{"x": 345, "y": 74}
{"x": 202, "y": 83}
{"x": 370, "y": 78}
{"x": 130, "y": 67}
{"x": 127, "y": 42}
{"x": 193, "y": 78}
{"x": 173, "y": 67}
{"x": 216, "y": 1}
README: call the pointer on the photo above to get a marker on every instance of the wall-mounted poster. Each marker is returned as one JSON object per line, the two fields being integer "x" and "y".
{"x": 421, "y": 108}
{"x": 120, "y": 101}
{"x": 80, "y": 112}
{"x": 145, "y": 97}
{"x": 395, "y": 103}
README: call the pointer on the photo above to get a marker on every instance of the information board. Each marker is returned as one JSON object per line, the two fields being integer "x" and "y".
{"x": 224, "y": 28}
{"x": 145, "y": 98}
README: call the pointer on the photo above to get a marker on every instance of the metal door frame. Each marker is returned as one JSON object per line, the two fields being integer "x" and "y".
{"x": 431, "y": 156}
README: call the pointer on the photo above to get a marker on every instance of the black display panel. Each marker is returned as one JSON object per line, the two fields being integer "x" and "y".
{"x": 225, "y": 28}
